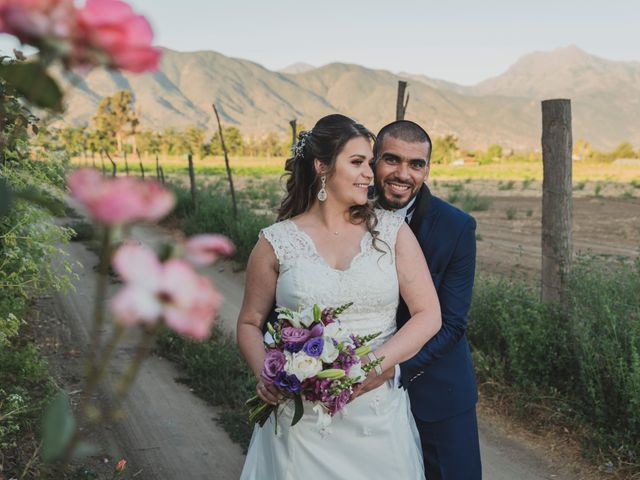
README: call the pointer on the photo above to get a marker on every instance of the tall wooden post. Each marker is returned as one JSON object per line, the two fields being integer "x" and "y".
{"x": 557, "y": 201}
{"x": 140, "y": 162}
{"x": 401, "y": 103}
{"x": 126, "y": 163}
{"x": 294, "y": 133}
{"x": 192, "y": 181}
{"x": 113, "y": 164}
{"x": 226, "y": 162}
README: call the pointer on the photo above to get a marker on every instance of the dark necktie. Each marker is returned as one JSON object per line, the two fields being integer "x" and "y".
{"x": 407, "y": 217}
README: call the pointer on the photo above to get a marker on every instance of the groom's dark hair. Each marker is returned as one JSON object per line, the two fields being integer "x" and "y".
{"x": 404, "y": 130}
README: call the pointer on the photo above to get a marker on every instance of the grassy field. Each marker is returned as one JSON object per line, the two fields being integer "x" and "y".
{"x": 502, "y": 170}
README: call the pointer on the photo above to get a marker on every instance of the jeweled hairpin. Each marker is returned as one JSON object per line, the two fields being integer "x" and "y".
{"x": 297, "y": 149}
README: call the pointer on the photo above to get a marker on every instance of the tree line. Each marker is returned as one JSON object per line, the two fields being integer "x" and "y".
{"x": 115, "y": 129}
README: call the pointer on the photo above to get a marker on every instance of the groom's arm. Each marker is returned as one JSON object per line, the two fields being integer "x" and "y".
{"x": 454, "y": 294}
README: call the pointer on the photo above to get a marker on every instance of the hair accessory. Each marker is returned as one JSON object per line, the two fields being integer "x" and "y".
{"x": 322, "y": 194}
{"x": 297, "y": 149}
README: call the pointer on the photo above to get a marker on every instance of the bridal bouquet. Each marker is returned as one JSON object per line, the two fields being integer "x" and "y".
{"x": 311, "y": 356}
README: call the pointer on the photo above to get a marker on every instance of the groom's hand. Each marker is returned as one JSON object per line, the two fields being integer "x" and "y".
{"x": 372, "y": 382}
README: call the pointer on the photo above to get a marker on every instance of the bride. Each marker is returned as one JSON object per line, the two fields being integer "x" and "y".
{"x": 331, "y": 247}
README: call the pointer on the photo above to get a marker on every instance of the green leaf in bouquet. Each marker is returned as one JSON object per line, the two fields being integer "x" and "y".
{"x": 342, "y": 308}
{"x": 57, "y": 428}
{"x": 32, "y": 80}
{"x": 299, "y": 409}
{"x": 6, "y": 198}
{"x": 333, "y": 373}
{"x": 316, "y": 312}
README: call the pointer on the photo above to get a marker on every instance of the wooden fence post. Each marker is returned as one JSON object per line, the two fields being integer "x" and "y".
{"x": 226, "y": 161}
{"x": 401, "y": 103}
{"x": 157, "y": 167}
{"x": 104, "y": 170}
{"x": 126, "y": 163}
{"x": 192, "y": 181}
{"x": 113, "y": 164}
{"x": 140, "y": 161}
{"x": 294, "y": 132}
{"x": 557, "y": 201}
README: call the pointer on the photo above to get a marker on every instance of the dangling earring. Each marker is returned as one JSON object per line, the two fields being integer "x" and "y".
{"x": 322, "y": 194}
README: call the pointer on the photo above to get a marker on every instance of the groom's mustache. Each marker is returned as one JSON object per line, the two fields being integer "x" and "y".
{"x": 399, "y": 182}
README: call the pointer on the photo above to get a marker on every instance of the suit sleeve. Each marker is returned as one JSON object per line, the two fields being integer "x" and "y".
{"x": 454, "y": 295}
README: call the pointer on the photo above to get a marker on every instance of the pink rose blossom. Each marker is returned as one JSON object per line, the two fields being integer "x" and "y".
{"x": 112, "y": 26}
{"x": 188, "y": 302}
{"x": 205, "y": 249}
{"x": 33, "y": 21}
{"x": 119, "y": 200}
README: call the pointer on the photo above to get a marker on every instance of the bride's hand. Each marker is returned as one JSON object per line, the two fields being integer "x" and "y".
{"x": 269, "y": 393}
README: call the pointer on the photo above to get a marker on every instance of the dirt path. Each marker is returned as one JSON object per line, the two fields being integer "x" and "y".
{"x": 169, "y": 433}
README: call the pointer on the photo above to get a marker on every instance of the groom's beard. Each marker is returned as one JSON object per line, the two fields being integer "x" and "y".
{"x": 392, "y": 203}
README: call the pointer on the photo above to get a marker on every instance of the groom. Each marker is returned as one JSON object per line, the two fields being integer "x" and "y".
{"x": 440, "y": 378}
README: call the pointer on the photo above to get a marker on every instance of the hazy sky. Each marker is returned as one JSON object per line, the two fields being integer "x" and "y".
{"x": 464, "y": 41}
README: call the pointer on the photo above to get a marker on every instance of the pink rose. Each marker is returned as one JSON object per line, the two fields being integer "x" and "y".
{"x": 112, "y": 26}
{"x": 35, "y": 21}
{"x": 187, "y": 302}
{"x": 120, "y": 200}
{"x": 207, "y": 248}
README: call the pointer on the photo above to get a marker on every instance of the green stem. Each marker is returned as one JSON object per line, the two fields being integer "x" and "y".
{"x": 101, "y": 294}
{"x": 126, "y": 380}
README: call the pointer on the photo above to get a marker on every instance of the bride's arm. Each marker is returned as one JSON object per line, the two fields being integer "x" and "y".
{"x": 418, "y": 292}
{"x": 259, "y": 293}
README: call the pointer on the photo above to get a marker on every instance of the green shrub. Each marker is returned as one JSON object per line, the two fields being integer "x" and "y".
{"x": 215, "y": 214}
{"x": 511, "y": 213}
{"x": 604, "y": 315}
{"x": 25, "y": 389}
{"x": 598, "y": 190}
{"x": 506, "y": 186}
{"x": 585, "y": 356}
{"x": 470, "y": 202}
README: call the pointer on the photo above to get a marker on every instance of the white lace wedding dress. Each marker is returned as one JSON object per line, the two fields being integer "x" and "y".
{"x": 375, "y": 436}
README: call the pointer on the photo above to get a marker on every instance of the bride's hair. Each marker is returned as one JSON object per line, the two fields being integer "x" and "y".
{"x": 323, "y": 142}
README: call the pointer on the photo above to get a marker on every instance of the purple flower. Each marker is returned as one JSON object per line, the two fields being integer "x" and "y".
{"x": 317, "y": 330}
{"x": 295, "y": 335}
{"x": 293, "y": 347}
{"x": 273, "y": 365}
{"x": 327, "y": 316}
{"x": 287, "y": 382}
{"x": 337, "y": 403}
{"x": 314, "y": 347}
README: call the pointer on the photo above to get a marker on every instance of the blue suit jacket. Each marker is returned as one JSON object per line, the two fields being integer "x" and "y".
{"x": 440, "y": 377}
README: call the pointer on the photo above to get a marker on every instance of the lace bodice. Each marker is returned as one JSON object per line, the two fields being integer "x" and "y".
{"x": 370, "y": 281}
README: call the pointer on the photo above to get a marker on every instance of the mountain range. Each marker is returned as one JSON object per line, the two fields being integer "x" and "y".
{"x": 505, "y": 109}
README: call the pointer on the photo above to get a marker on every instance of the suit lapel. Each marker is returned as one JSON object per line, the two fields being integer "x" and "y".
{"x": 423, "y": 201}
